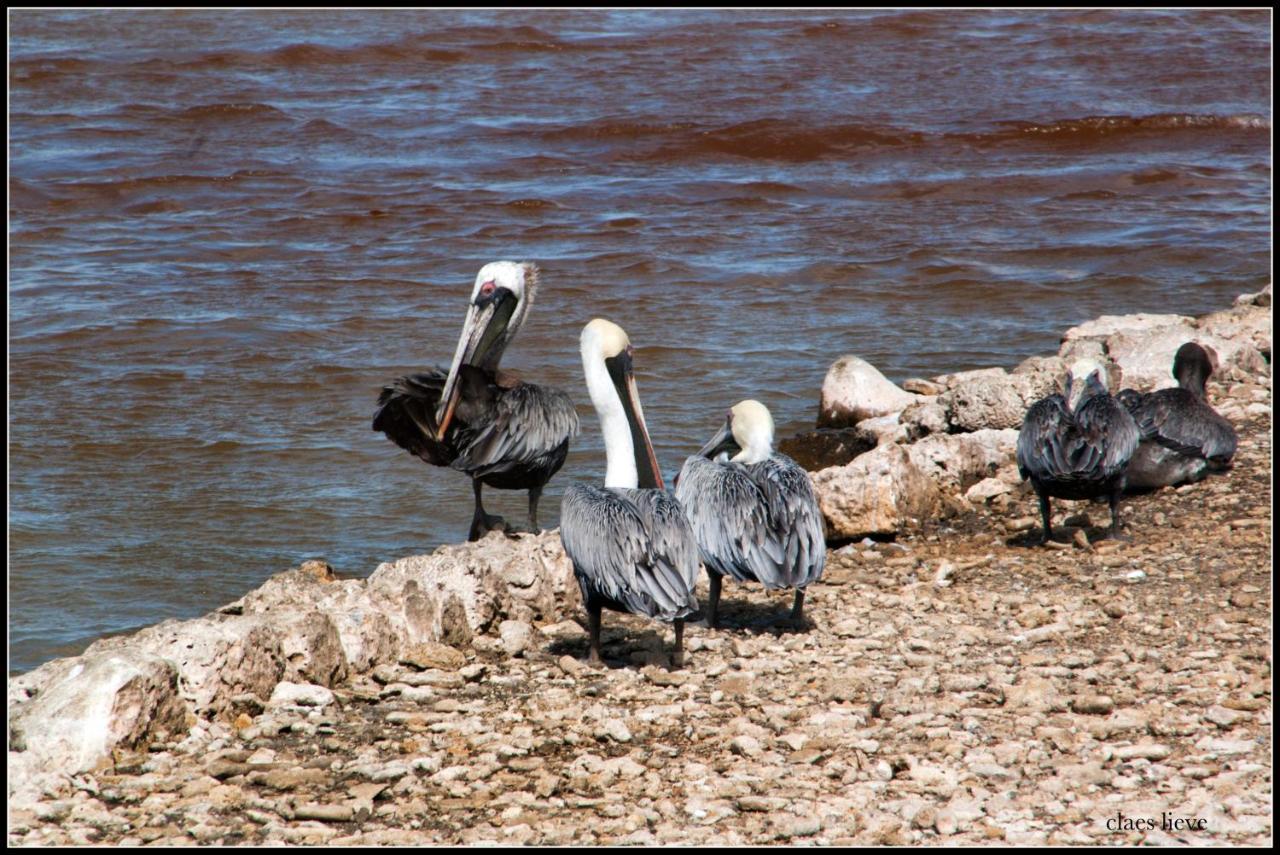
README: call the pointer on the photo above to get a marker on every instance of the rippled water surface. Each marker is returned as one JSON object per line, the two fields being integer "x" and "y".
{"x": 228, "y": 229}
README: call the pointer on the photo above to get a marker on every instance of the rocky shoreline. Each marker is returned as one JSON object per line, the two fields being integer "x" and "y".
{"x": 955, "y": 682}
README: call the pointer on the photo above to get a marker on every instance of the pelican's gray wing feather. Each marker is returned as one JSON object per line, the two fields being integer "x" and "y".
{"x": 1178, "y": 420}
{"x": 1041, "y": 451}
{"x": 525, "y": 423}
{"x": 1108, "y": 437}
{"x": 633, "y": 548}
{"x": 754, "y": 523}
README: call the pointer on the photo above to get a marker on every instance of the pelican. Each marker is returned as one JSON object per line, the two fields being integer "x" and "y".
{"x": 754, "y": 514}
{"x": 1078, "y": 447}
{"x": 477, "y": 418}
{"x": 1183, "y": 438}
{"x": 630, "y": 544}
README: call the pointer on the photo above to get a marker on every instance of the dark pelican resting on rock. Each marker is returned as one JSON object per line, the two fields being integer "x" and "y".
{"x": 630, "y": 544}
{"x": 476, "y": 418}
{"x": 1183, "y": 438}
{"x": 1078, "y": 447}
{"x": 754, "y": 514}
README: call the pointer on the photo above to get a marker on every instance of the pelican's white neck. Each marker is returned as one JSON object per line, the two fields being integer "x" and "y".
{"x": 756, "y": 452}
{"x": 618, "y": 447}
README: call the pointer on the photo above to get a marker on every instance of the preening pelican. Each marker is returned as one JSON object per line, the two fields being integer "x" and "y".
{"x": 476, "y": 418}
{"x": 1078, "y": 447}
{"x": 1183, "y": 438}
{"x": 754, "y": 514}
{"x": 630, "y": 544}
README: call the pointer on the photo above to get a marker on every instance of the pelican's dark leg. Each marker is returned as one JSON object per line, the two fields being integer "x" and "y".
{"x": 797, "y": 608}
{"x": 593, "y": 628}
{"x": 713, "y": 605}
{"x": 481, "y": 523}
{"x": 1044, "y": 513}
{"x": 1115, "y": 516}
{"x": 677, "y": 657}
{"x": 535, "y": 493}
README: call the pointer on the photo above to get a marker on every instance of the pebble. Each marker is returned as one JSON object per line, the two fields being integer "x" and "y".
{"x": 616, "y": 729}
{"x": 1093, "y": 704}
{"x": 517, "y": 636}
{"x": 300, "y": 694}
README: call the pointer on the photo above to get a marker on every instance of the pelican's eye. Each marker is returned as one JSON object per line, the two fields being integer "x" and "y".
{"x": 487, "y": 289}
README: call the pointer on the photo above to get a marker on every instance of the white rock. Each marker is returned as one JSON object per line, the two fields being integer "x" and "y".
{"x": 854, "y": 390}
{"x": 300, "y": 695}
{"x": 874, "y": 494}
{"x": 955, "y": 459}
{"x": 517, "y": 636}
{"x": 84, "y": 708}
{"x": 987, "y": 489}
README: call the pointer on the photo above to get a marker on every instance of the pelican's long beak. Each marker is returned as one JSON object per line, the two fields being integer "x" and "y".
{"x": 649, "y": 476}
{"x": 722, "y": 441}
{"x": 481, "y": 344}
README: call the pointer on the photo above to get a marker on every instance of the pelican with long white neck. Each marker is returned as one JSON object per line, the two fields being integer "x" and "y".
{"x": 754, "y": 514}
{"x": 476, "y": 418}
{"x": 630, "y": 544}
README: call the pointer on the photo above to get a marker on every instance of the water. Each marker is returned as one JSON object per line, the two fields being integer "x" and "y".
{"x": 229, "y": 228}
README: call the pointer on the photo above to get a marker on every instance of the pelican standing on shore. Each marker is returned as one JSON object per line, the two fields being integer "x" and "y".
{"x": 1078, "y": 447}
{"x": 477, "y": 418}
{"x": 630, "y": 544}
{"x": 1183, "y": 438}
{"x": 754, "y": 514}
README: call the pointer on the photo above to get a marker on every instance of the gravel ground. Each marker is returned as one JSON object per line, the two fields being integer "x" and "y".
{"x": 958, "y": 683}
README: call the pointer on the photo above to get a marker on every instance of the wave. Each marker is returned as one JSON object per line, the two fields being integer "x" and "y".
{"x": 1096, "y": 128}
{"x": 781, "y": 139}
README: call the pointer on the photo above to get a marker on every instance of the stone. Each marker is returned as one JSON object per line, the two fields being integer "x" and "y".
{"x": 875, "y": 494}
{"x": 882, "y": 429}
{"x": 922, "y": 418}
{"x": 992, "y": 401}
{"x": 517, "y": 636}
{"x": 987, "y": 489}
{"x": 86, "y": 707}
{"x": 1092, "y": 704}
{"x": 300, "y": 695}
{"x": 854, "y": 390}
{"x": 432, "y": 654}
{"x": 955, "y": 462}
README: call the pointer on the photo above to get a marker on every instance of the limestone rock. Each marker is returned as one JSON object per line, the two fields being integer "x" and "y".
{"x": 955, "y": 462}
{"x": 882, "y": 429}
{"x": 530, "y": 579}
{"x": 1143, "y": 345}
{"x": 88, "y": 705}
{"x": 926, "y": 416}
{"x": 875, "y": 494}
{"x": 300, "y": 695}
{"x": 990, "y": 401}
{"x": 854, "y": 390}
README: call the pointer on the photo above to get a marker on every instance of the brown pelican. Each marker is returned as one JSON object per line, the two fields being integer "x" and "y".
{"x": 1183, "y": 438}
{"x": 1078, "y": 447}
{"x": 476, "y": 418}
{"x": 754, "y": 514}
{"x": 630, "y": 544}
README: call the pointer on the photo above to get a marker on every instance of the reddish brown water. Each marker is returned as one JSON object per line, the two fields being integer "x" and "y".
{"x": 228, "y": 229}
